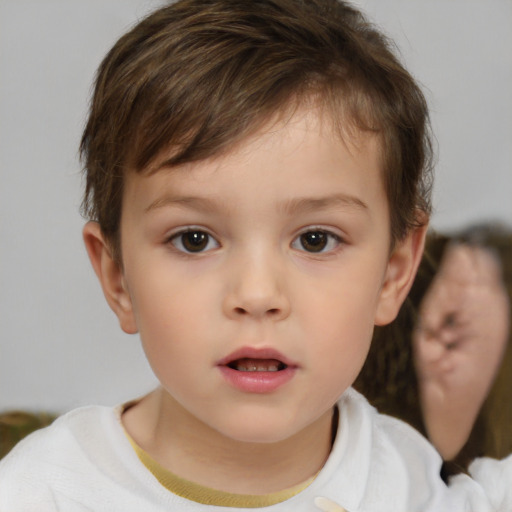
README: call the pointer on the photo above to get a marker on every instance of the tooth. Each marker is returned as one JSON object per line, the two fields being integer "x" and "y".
{"x": 245, "y": 365}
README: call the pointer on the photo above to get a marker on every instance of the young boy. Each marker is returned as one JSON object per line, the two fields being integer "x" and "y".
{"x": 257, "y": 184}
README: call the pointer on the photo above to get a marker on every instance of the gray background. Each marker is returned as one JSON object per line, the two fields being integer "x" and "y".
{"x": 60, "y": 345}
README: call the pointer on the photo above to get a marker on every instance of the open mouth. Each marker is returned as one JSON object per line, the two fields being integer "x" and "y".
{"x": 257, "y": 370}
{"x": 257, "y": 365}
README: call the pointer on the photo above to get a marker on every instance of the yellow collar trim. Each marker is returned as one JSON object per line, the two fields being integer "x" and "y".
{"x": 207, "y": 496}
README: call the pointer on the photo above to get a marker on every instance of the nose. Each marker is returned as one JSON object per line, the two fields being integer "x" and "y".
{"x": 256, "y": 289}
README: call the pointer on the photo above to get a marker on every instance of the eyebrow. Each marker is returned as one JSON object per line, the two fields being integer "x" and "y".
{"x": 290, "y": 207}
{"x": 198, "y": 203}
{"x": 307, "y": 204}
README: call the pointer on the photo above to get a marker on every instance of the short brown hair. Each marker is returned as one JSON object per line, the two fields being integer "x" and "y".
{"x": 200, "y": 75}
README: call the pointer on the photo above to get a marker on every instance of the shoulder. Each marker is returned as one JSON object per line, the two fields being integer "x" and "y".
{"x": 489, "y": 480}
{"x": 397, "y": 446}
{"x": 402, "y": 468}
{"x": 387, "y": 430}
{"x": 49, "y": 453}
{"x": 394, "y": 463}
{"x": 55, "y": 440}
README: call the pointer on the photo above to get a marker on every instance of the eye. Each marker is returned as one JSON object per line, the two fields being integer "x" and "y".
{"x": 193, "y": 240}
{"x": 316, "y": 241}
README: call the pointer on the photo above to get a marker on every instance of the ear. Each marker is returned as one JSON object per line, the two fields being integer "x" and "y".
{"x": 400, "y": 273}
{"x": 110, "y": 275}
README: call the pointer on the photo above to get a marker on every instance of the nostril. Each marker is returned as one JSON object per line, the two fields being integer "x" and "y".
{"x": 270, "y": 312}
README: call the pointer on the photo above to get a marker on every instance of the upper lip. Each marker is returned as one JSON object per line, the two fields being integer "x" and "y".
{"x": 256, "y": 353}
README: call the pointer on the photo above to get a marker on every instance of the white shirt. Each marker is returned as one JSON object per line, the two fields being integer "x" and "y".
{"x": 84, "y": 462}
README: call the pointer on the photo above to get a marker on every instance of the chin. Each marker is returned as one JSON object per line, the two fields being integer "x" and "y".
{"x": 258, "y": 431}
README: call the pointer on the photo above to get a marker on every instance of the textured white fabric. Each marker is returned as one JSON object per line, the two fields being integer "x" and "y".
{"x": 84, "y": 462}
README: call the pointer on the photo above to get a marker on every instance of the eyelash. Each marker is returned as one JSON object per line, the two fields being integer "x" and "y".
{"x": 326, "y": 240}
{"x": 331, "y": 241}
{"x": 178, "y": 240}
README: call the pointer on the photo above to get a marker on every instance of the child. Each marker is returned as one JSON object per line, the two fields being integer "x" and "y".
{"x": 257, "y": 184}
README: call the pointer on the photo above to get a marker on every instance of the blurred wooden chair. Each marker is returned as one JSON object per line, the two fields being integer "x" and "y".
{"x": 15, "y": 425}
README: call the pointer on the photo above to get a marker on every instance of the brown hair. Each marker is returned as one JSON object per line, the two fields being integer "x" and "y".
{"x": 198, "y": 76}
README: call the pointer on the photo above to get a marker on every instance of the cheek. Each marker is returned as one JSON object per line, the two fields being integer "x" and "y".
{"x": 164, "y": 310}
{"x": 169, "y": 332}
{"x": 345, "y": 304}
{"x": 342, "y": 352}
{"x": 338, "y": 324}
{"x": 339, "y": 338}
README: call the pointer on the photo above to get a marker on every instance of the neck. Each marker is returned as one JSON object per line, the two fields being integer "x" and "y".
{"x": 192, "y": 450}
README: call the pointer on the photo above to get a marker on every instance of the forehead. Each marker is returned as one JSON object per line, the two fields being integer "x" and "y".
{"x": 309, "y": 113}
{"x": 294, "y": 154}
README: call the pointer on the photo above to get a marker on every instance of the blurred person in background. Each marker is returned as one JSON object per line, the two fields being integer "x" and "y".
{"x": 444, "y": 365}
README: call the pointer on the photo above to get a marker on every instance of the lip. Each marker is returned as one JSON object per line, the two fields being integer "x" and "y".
{"x": 257, "y": 381}
{"x": 256, "y": 353}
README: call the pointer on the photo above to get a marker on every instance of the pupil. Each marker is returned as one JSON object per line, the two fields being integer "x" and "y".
{"x": 195, "y": 241}
{"x": 314, "y": 241}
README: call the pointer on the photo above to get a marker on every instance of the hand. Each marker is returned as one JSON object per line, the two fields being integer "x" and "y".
{"x": 327, "y": 505}
{"x": 459, "y": 342}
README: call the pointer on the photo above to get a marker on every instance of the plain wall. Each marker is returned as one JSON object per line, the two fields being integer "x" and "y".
{"x": 60, "y": 345}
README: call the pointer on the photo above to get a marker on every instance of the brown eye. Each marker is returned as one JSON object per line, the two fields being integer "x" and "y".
{"x": 316, "y": 241}
{"x": 194, "y": 241}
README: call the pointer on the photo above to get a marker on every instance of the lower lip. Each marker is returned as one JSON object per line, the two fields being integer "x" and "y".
{"x": 257, "y": 382}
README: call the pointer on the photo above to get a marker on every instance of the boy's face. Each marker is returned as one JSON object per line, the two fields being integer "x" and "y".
{"x": 255, "y": 279}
